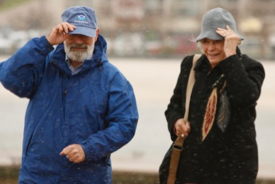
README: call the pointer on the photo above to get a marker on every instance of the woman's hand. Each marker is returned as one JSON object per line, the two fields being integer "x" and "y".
{"x": 182, "y": 128}
{"x": 231, "y": 40}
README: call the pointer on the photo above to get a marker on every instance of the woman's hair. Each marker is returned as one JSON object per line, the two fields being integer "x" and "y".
{"x": 199, "y": 44}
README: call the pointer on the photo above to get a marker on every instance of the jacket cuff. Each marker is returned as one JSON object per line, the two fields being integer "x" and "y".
{"x": 46, "y": 46}
{"x": 88, "y": 151}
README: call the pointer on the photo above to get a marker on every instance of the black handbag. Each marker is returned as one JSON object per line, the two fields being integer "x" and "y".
{"x": 164, "y": 166}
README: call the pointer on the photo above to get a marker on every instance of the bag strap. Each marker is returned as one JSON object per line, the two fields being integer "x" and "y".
{"x": 178, "y": 144}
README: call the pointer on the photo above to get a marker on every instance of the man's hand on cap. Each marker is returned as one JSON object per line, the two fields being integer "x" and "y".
{"x": 60, "y": 33}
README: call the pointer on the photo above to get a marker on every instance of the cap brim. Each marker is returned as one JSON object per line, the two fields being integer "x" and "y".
{"x": 84, "y": 31}
{"x": 210, "y": 36}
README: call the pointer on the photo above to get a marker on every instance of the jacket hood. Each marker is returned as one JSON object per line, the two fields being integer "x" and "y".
{"x": 58, "y": 56}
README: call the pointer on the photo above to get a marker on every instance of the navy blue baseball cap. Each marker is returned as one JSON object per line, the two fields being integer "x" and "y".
{"x": 83, "y": 18}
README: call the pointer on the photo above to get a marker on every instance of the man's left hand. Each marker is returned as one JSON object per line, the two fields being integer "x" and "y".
{"x": 74, "y": 153}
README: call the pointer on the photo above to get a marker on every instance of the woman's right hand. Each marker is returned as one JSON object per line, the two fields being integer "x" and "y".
{"x": 182, "y": 128}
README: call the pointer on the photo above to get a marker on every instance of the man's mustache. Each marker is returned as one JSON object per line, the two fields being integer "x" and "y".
{"x": 72, "y": 46}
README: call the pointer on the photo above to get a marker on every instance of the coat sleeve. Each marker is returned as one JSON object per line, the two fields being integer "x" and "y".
{"x": 244, "y": 80}
{"x": 176, "y": 107}
{"x": 122, "y": 120}
{"x": 24, "y": 69}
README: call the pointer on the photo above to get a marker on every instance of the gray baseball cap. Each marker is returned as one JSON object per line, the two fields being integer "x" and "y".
{"x": 216, "y": 18}
{"x": 83, "y": 18}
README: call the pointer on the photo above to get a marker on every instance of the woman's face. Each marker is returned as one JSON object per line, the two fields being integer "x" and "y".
{"x": 213, "y": 50}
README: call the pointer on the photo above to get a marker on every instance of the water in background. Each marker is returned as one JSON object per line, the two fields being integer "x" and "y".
{"x": 153, "y": 81}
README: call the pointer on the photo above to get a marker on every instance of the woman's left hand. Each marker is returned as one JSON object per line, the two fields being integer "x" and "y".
{"x": 231, "y": 40}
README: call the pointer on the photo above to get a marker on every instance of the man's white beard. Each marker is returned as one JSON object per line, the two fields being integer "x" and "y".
{"x": 79, "y": 56}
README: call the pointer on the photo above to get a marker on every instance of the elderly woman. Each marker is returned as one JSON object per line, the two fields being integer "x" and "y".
{"x": 220, "y": 138}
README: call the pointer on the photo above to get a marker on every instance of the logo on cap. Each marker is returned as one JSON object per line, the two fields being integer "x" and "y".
{"x": 81, "y": 17}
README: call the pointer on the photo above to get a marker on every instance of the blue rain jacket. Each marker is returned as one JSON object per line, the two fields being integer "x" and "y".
{"x": 95, "y": 108}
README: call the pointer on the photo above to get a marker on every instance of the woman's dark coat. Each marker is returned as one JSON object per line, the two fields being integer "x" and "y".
{"x": 226, "y": 155}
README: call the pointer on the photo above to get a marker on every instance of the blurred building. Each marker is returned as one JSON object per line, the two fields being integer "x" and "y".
{"x": 155, "y": 28}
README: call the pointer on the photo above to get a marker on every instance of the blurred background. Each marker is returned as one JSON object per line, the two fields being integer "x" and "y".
{"x": 142, "y": 28}
{"x": 147, "y": 39}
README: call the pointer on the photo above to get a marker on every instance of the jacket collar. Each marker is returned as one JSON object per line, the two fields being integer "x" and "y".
{"x": 99, "y": 57}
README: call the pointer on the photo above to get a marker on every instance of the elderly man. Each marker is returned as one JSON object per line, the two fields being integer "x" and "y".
{"x": 81, "y": 108}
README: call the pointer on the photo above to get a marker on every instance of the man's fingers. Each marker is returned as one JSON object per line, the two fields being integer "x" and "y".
{"x": 66, "y": 27}
{"x": 75, "y": 159}
{"x": 71, "y": 154}
{"x": 60, "y": 33}
{"x": 66, "y": 150}
{"x": 62, "y": 152}
{"x": 72, "y": 158}
{"x": 74, "y": 153}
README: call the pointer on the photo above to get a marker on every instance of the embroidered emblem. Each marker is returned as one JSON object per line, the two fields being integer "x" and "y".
{"x": 209, "y": 116}
{"x": 81, "y": 17}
